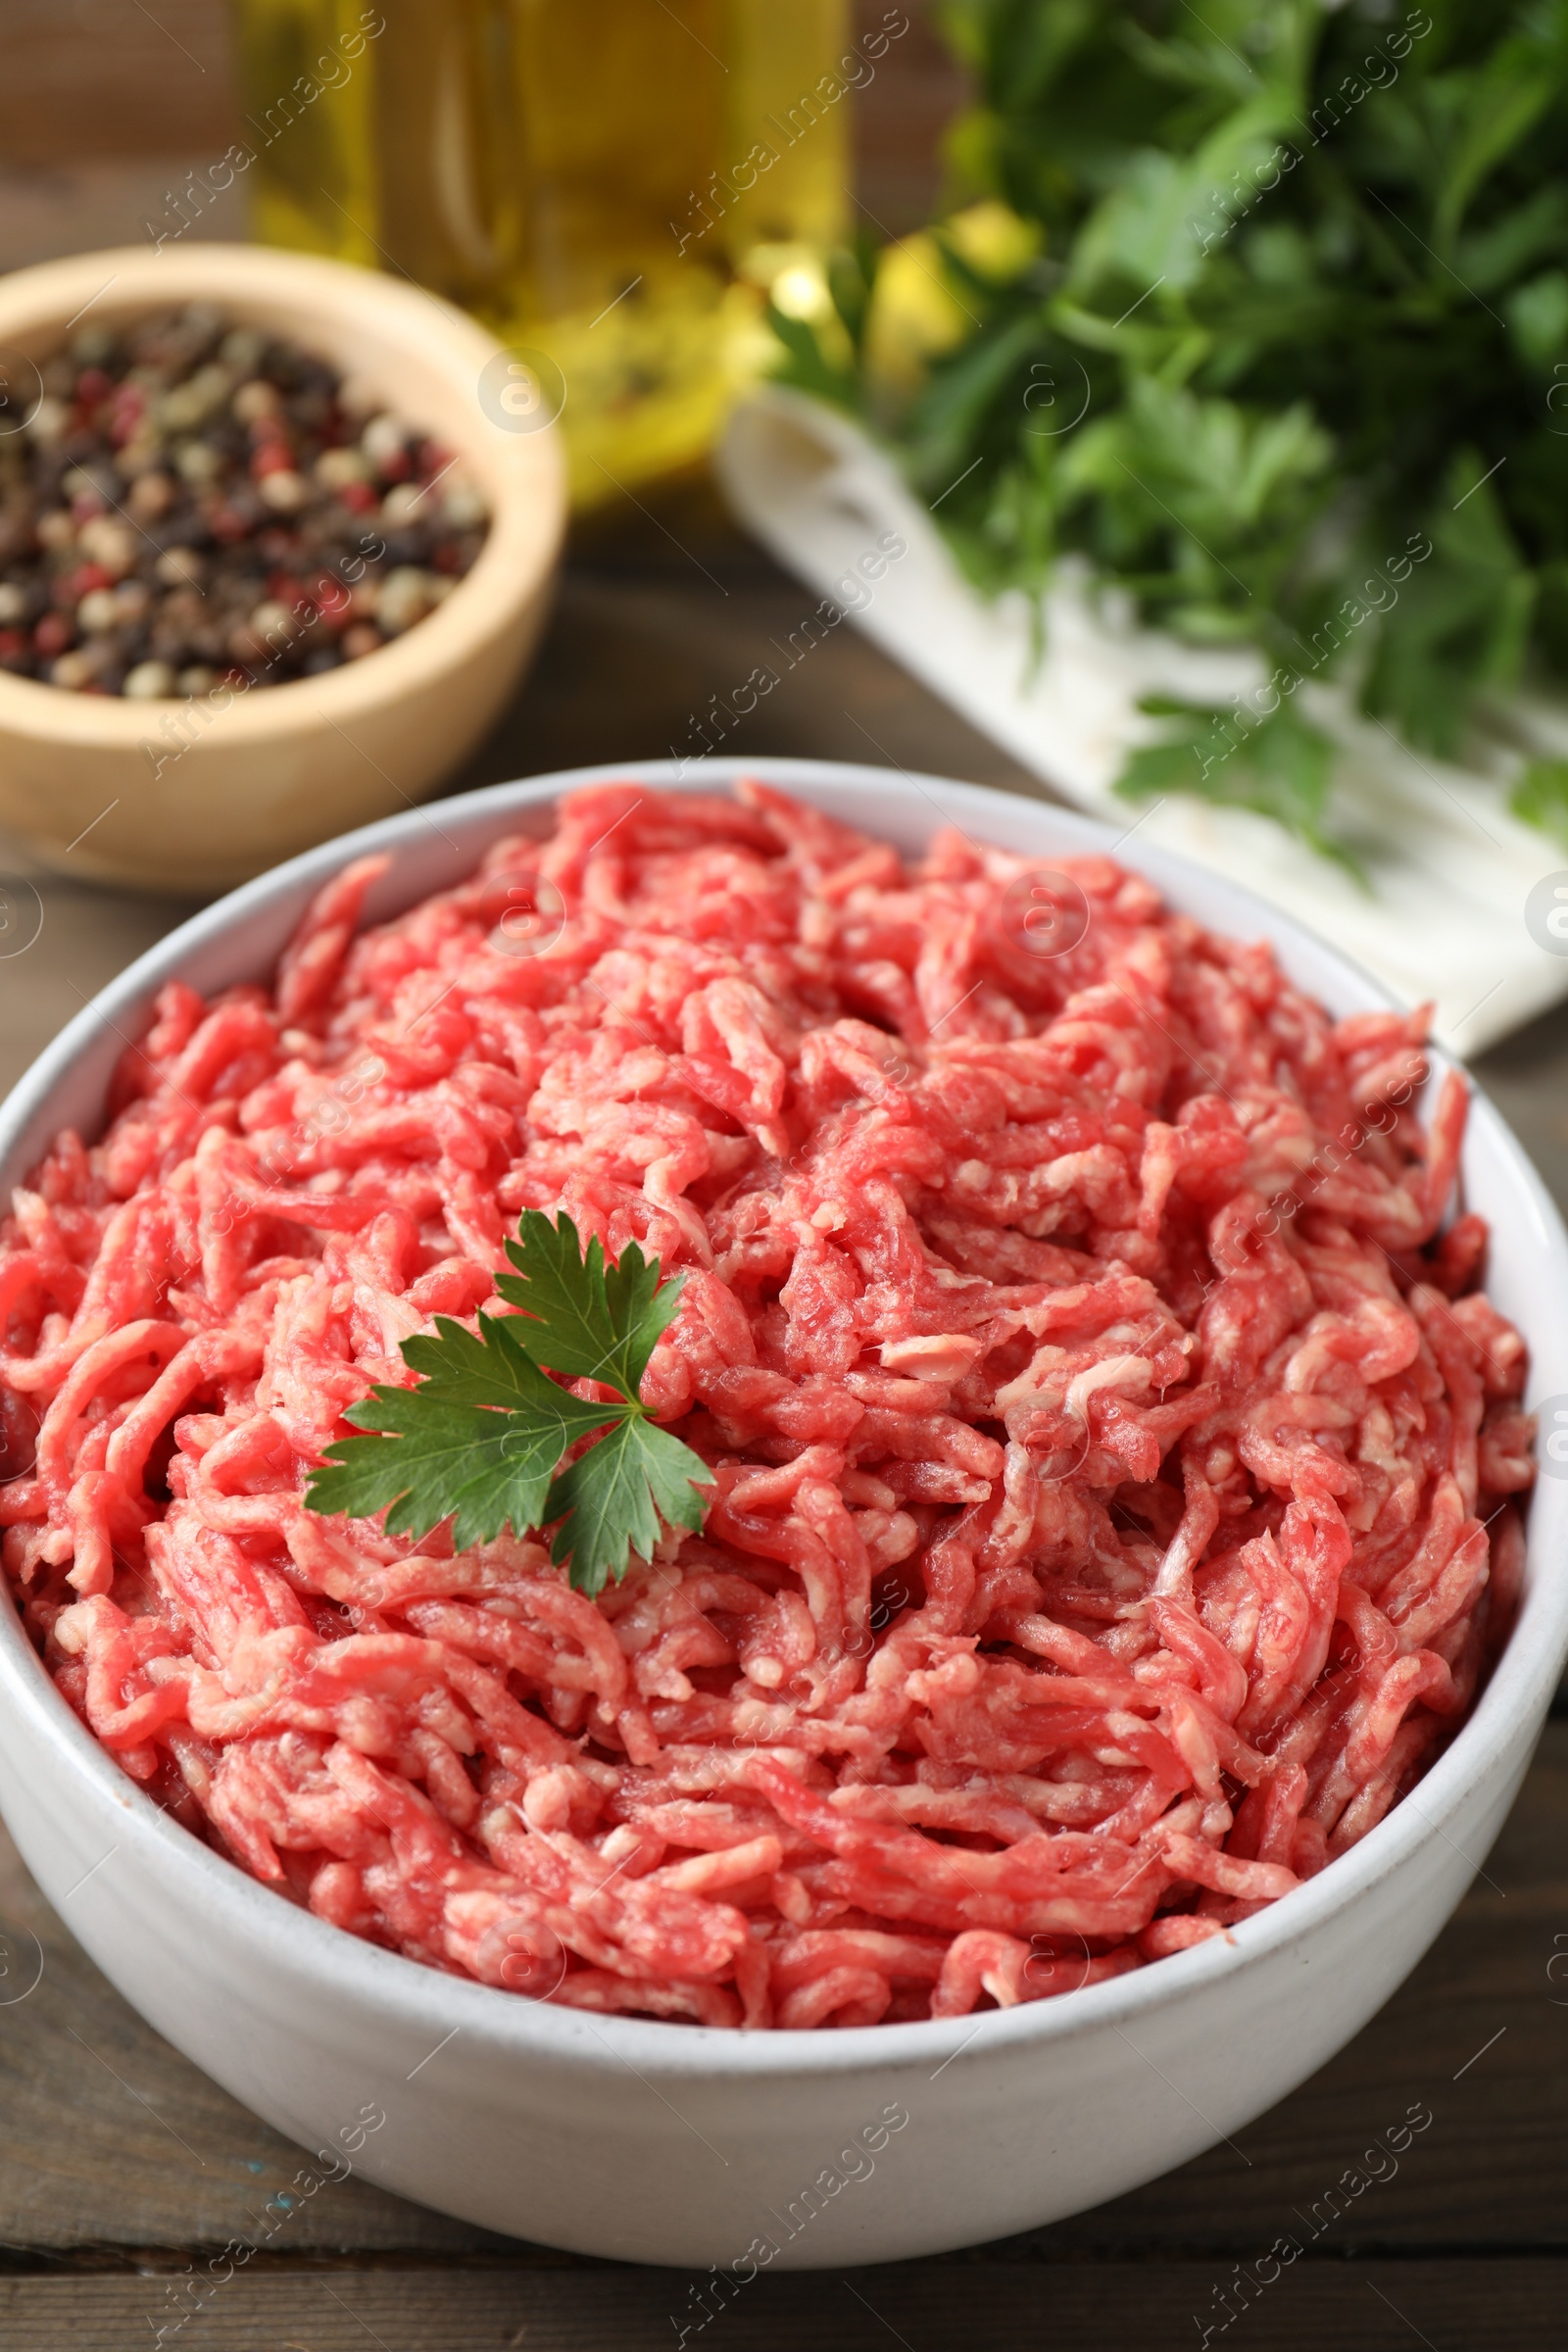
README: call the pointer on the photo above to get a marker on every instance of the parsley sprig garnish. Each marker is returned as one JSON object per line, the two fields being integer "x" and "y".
{"x": 481, "y": 1438}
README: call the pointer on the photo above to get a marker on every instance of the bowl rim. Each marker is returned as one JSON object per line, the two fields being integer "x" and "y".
{"x": 424, "y": 1998}
{"x": 524, "y": 479}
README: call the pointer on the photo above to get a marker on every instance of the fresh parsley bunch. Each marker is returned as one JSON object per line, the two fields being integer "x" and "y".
{"x": 482, "y": 1438}
{"x": 1289, "y": 313}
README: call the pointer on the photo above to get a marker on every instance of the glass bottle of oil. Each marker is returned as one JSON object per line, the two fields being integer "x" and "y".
{"x": 617, "y": 184}
{"x": 306, "y": 78}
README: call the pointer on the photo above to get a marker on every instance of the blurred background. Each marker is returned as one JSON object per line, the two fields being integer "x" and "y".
{"x": 533, "y": 163}
{"x": 121, "y": 123}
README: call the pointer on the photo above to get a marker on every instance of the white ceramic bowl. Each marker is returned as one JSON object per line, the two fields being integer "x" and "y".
{"x": 670, "y": 2143}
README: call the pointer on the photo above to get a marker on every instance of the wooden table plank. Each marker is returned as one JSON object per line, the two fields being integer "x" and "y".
{"x": 113, "y": 77}
{"x": 1450, "y": 2306}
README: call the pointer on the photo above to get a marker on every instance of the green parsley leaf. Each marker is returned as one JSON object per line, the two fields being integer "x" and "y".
{"x": 1462, "y": 619}
{"x": 1282, "y": 768}
{"x": 444, "y": 1448}
{"x": 481, "y": 1438}
{"x": 1540, "y": 798}
{"x": 608, "y": 1493}
{"x": 588, "y": 1320}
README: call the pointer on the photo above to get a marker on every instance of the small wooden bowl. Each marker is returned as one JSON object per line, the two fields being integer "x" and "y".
{"x": 171, "y": 796}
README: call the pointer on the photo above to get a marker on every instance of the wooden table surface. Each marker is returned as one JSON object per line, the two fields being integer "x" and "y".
{"x": 120, "y": 2164}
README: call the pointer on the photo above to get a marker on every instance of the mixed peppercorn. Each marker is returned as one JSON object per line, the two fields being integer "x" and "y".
{"x": 194, "y": 504}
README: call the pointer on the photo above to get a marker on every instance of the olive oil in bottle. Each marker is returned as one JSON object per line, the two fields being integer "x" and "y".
{"x": 614, "y": 184}
{"x": 306, "y": 73}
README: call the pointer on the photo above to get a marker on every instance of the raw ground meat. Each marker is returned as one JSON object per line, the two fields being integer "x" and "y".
{"x": 1112, "y": 1449}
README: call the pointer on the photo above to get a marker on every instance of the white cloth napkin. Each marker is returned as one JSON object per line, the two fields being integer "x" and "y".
{"x": 1450, "y": 868}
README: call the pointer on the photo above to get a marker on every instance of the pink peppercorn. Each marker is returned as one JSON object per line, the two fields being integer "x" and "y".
{"x": 130, "y": 404}
{"x": 331, "y": 599}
